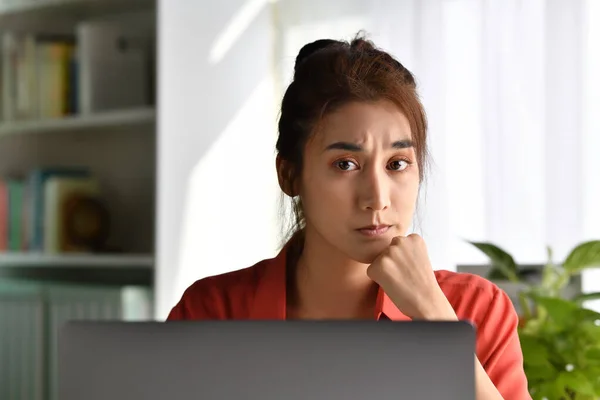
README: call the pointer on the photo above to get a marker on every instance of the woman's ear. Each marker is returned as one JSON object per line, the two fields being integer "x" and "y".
{"x": 284, "y": 176}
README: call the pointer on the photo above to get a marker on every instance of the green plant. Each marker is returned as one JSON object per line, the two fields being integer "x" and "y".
{"x": 560, "y": 338}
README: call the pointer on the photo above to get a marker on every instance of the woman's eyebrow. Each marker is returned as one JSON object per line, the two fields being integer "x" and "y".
{"x": 347, "y": 146}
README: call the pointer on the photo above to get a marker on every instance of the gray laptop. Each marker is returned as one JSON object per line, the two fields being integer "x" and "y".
{"x": 267, "y": 360}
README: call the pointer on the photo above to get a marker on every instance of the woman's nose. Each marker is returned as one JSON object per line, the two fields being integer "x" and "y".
{"x": 374, "y": 193}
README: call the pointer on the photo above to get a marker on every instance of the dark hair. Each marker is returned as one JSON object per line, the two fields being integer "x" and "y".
{"x": 328, "y": 74}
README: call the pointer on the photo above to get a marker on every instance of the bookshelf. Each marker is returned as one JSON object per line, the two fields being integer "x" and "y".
{"x": 117, "y": 143}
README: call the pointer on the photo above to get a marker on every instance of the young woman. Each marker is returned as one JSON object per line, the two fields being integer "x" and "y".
{"x": 351, "y": 156}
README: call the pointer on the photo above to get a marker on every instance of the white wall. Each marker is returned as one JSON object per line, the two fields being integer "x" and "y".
{"x": 217, "y": 190}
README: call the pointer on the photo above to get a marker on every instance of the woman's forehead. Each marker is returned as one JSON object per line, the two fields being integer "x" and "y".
{"x": 364, "y": 123}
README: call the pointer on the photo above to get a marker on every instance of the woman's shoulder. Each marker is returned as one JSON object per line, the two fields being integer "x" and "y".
{"x": 221, "y": 296}
{"x": 465, "y": 279}
{"x": 474, "y": 297}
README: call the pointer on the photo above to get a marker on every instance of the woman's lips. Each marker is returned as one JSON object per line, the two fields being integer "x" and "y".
{"x": 374, "y": 230}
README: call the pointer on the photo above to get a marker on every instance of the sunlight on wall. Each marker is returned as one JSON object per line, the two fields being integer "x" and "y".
{"x": 236, "y": 27}
{"x": 233, "y": 193}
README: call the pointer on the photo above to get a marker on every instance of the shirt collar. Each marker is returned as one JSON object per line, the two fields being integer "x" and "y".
{"x": 270, "y": 296}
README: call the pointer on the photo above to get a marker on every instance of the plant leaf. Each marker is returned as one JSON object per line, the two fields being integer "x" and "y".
{"x": 587, "y": 335}
{"x": 576, "y": 381}
{"x": 584, "y": 314}
{"x": 559, "y": 310}
{"x": 583, "y": 256}
{"x": 535, "y": 352}
{"x": 543, "y": 390}
{"x": 500, "y": 259}
{"x": 540, "y": 373}
{"x": 586, "y": 297}
{"x": 593, "y": 355}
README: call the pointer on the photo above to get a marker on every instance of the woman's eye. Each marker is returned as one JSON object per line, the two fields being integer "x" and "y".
{"x": 398, "y": 165}
{"x": 346, "y": 165}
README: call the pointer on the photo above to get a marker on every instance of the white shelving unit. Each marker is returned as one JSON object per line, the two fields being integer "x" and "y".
{"x": 118, "y": 119}
{"x": 28, "y": 14}
{"x": 40, "y": 291}
{"x": 12, "y": 260}
{"x": 83, "y": 8}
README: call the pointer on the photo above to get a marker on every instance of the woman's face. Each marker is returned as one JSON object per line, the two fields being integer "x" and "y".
{"x": 360, "y": 179}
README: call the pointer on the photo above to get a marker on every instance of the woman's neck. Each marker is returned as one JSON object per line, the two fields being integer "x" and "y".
{"x": 327, "y": 284}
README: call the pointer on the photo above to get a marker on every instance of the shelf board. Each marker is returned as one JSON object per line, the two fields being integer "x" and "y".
{"x": 26, "y": 14}
{"x": 42, "y": 260}
{"x": 112, "y": 119}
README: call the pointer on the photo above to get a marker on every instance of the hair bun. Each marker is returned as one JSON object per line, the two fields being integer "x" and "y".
{"x": 311, "y": 48}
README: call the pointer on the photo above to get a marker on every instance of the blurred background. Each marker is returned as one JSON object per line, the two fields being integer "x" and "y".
{"x": 137, "y": 145}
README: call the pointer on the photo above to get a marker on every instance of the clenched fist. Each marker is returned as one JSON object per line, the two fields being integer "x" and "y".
{"x": 404, "y": 272}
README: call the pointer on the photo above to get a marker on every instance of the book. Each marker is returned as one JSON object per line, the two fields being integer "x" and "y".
{"x": 9, "y": 75}
{"x": 26, "y": 80}
{"x": 39, "y": 76}
{"x": 15, "y": 215}
{"x": 55, "y": 68}
{"x": 35, "y": 200}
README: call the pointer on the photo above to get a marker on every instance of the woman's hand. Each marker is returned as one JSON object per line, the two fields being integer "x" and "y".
{"x": 404, "y": 272}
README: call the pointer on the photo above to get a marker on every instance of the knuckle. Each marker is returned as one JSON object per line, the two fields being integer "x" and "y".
{"x": 415, "y": 237}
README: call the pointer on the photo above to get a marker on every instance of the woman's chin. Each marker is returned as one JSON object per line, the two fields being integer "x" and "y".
{"x": 366, "y": 255}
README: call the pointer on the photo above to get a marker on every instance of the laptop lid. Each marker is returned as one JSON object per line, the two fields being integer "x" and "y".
{"x": 267, "y": 360}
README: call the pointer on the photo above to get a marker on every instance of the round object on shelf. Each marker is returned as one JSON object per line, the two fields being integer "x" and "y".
{"x": 86, "y": 224}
